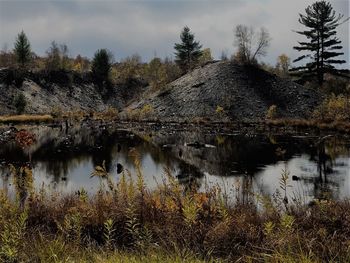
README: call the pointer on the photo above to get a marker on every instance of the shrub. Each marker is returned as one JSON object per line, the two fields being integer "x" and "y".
{"x": 155, "y": 74}
{"x": 56, "y": 112}
{"x": 146, "y": 110}
{"x": 271, "y": 112}
{"x": 20, "y": 103}
{"x": 133, "y": 114}
{"x": 129, "y": 68}
{"x": 110, "y": 113}
{"x": 219, "y": 109}
{"x": 140, "y": 113}
{"x": 334, "y": 108}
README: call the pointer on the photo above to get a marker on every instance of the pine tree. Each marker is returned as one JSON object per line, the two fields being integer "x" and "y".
{"x": 321, "y": 22}
{"x": 188, "y": 52}
{"x": 101, "y": 65}
{"x": 22, "y": 49}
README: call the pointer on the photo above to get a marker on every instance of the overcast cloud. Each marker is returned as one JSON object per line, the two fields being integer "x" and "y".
{"x": 149, "y": 27}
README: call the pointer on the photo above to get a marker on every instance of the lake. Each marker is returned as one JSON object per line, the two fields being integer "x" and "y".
{"x": 62, "y": 160}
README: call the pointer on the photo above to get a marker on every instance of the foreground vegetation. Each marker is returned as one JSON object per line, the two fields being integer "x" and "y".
{"x": 125, "y": 222}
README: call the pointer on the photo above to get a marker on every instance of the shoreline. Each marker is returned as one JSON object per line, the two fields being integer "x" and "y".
{"x": 284, "y": 126}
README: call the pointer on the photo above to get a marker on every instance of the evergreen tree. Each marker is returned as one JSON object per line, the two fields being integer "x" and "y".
{"x": 20, "y": 103}
{"x": 321, "y": 22}
{"x": 188, "y": 52}
{"x": 22, "y": 49}
{"x": 101, "y": 65}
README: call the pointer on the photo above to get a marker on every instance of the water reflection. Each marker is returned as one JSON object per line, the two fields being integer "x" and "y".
{"x": 63, "y": 160}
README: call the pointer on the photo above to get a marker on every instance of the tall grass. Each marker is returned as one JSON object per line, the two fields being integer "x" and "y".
{"x": 26, "y": 118}
{"x": 125, "y": 222}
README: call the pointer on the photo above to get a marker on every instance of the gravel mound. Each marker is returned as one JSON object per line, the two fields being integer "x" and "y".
{"x": 226, "y": 90}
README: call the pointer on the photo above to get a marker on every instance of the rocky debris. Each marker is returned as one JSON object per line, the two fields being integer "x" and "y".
{"x": 225, "y": 90}
{"x": 199, "y": 145}
{"x": 7, "y": 134}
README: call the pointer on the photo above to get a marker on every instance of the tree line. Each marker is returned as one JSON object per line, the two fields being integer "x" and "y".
{"x": 320, "y": 50}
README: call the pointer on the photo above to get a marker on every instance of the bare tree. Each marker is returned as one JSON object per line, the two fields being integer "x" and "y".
{"x": 64, "y": 54}
{"x": 250, "y": 44}
{"x": 7, "y": 58}
{"x": 223, "y": 55}
{"x": 58, "y": 57}
{"x": 282, "y": 65}
{"x": 53, "y": 59}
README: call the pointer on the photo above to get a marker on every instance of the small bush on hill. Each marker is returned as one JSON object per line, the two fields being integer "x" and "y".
{"x": 271, "y": 112}
{"x": 20, "y": 103}
{"x": 219, "y": 109}
{"x": 110, "y": 113}
{"x": 147, "y": 110}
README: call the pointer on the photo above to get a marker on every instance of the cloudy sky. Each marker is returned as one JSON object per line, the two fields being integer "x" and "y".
{"x": 151, "y": 27}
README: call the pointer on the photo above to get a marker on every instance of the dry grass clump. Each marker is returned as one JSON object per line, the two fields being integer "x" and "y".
{"x": 110, "y": 114}
{"x": 140, "y": 114}
{"x": 342, "y": 126}
{"x": 76, "y": 115}
{"x": 125, "y": 222}
{"x": 26, "y": 118}
{"x": 271, "y": 112}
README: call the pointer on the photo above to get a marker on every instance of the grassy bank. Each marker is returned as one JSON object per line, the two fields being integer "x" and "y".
{"x": 26, "y": 119}
{"x": 341, "y": 126}
{"x": 125, "y": 222}
{"x": 109, "y": 114}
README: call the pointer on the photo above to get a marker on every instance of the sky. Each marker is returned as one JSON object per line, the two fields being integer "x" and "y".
{"x": 151, "y": 27}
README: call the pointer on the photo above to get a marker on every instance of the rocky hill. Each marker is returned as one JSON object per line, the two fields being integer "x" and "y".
{"x": 225, "y": 90}
{"x": 215, "y": 91}
{"x": 65, "y": 91}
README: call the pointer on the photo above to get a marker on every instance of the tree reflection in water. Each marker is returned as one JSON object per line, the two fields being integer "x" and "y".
{"x": 23, "y": 182}
{"x": 67, "y": 160}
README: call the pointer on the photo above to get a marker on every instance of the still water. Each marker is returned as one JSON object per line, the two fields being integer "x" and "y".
{"x": 62, "y": 160}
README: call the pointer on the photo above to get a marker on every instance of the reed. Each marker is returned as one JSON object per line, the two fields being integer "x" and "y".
{"x": 126, "y": 222}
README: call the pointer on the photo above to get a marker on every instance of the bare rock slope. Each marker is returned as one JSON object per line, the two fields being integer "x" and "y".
{"x": 232, "y": 91}
{"x": 63, "y": 91}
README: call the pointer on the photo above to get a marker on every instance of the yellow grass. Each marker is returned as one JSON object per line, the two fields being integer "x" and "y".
{"x": 342, "y": 126}
{"x": 26, "y": 118}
